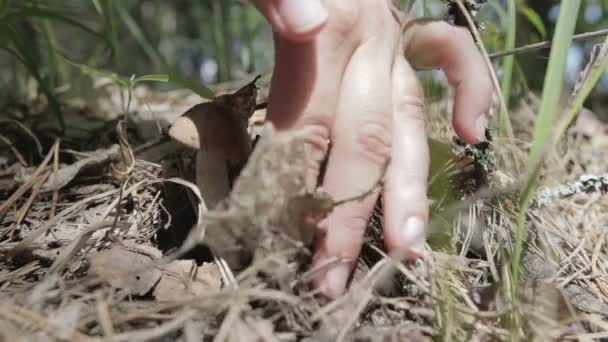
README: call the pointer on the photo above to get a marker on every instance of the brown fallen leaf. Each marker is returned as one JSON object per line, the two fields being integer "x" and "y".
{"x": 243, "y": 100}
{"x": 125, "y": 268}
{"x": 138, "y": 269}
{"x": 183, "y": 278}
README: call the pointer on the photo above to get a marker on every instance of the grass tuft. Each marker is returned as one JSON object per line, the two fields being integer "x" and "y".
{"x": 549, "y": 106}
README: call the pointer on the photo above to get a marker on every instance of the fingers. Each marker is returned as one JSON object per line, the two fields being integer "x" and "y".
{"x": 306, "y": 80}
{"x": 298, "y": 20}
{"x": 405, "y": 199}
{"x": 361, "y": 146}
{"x": 434, "y": 43}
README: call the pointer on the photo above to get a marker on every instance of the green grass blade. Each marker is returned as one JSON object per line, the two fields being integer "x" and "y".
{"x": 98, "y": 7}
{"x": 577, "y": 103}
{"x": 117, "y": 79}
{"x": 500, "y": 12}
{"x": 55, "y": 14}
{"x": 152, "y": 78}
{"x": 57, "y": 72}
{"x": 507, "y": 68}
{"x": 534, "y": 19}
{"x": 193, "y": 85}
{"x": 31, "y": 64}
{"x": 106, "y": 9}
{"x": 554, "y": 79}
{"x": 549, "y": 107}
{"x": 139, "y": 36}
{"x": 5, "y": 6}
{"x": 219, "y": 40}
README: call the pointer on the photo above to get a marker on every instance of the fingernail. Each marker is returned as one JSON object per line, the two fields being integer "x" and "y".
{"x": 481, "y": 123}
{"x": 302, "y": 16}
{"x": 336, "y": 278}
{"x": 414, "y": 237}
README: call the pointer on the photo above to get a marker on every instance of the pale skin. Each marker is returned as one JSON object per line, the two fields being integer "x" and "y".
{"x": 344, "y": 73}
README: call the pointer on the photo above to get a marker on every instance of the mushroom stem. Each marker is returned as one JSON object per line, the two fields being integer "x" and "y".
{"x": 212, "y": 177}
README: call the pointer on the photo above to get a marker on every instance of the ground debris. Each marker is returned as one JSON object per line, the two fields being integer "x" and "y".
{"x": 586, "y": 184}
{"x": 128, "y": 269}
{"x": 182, "y": 279}
{"x": 271, "y": 207}
{"x": 139, "y": 271}
{"x": 75, "y": 283}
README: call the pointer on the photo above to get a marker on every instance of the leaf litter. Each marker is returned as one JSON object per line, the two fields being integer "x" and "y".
{"x": 96, "y": 270}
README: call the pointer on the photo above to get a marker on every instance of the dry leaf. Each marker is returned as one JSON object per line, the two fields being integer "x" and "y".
{"x": 129, "y": 269}
{"x": 183, "y": 278}
{"x": 67, "y": 173}
{"x": 243, "y": 101}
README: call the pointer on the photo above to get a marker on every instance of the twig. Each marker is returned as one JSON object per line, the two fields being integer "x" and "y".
{"x": 25, "y": 186}
{"x": 40, "y": 231}
{"x": 105, "y": 321}
{"x": 229, "y": 320}
{"x": 363, "y": 294}
{"x": 76, "y": 245}
{"x": 596, "y": 251}
{"x": 28, "y": 204}
{"x": 27, "y": 132}
{"x": 546, "y": 44}
{"x": 156, "y": 332}
{"x": 55, "y": 199}
{"x": 585, "y": 184}
{"x": 25, "y": 316}
{"x": 13, "y": 149}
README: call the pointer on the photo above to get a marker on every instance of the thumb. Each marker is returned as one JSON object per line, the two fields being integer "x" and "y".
{"x": 298, "y": 20}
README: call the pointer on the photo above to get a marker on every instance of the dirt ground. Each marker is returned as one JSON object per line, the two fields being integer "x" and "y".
{"x": 105, "y": 236}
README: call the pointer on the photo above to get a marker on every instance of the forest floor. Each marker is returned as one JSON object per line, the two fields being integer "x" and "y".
{"x": 97, "y": 239}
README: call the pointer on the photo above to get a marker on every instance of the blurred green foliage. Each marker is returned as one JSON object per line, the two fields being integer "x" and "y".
{"x": 209, "y": 41}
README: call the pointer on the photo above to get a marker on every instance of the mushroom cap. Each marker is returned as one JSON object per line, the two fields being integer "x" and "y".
{"x": 215, "y": 128}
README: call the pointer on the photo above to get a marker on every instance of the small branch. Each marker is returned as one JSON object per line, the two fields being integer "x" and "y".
{"x": 55, "y": 199}
{"x": 547, "y": 44}
{"x": 586, "y": 184}
{"x": 157, "y": 331}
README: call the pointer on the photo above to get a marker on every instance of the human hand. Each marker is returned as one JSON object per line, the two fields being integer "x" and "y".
{"x": 344, "y": 73}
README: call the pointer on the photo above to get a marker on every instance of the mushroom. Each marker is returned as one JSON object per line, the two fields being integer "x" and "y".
{"x": 218, "y": 131}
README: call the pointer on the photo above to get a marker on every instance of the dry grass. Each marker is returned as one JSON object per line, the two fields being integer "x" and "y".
{"x": 98, "y": 267}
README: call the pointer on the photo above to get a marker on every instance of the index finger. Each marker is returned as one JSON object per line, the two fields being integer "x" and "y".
{"x": 435, "y": 43}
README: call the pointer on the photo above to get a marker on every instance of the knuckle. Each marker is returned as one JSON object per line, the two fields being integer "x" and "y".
{"x": 458, "y": 32}
{"x": 354, "y": 225}
{"x": 373, "y": 139}
{"x": 411, "y": 109}
{"x": 345, "y": 18}
{"x": 316, "y": 134}
{"x": 450, "y": 36}
{"x": 443, "y": 35}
